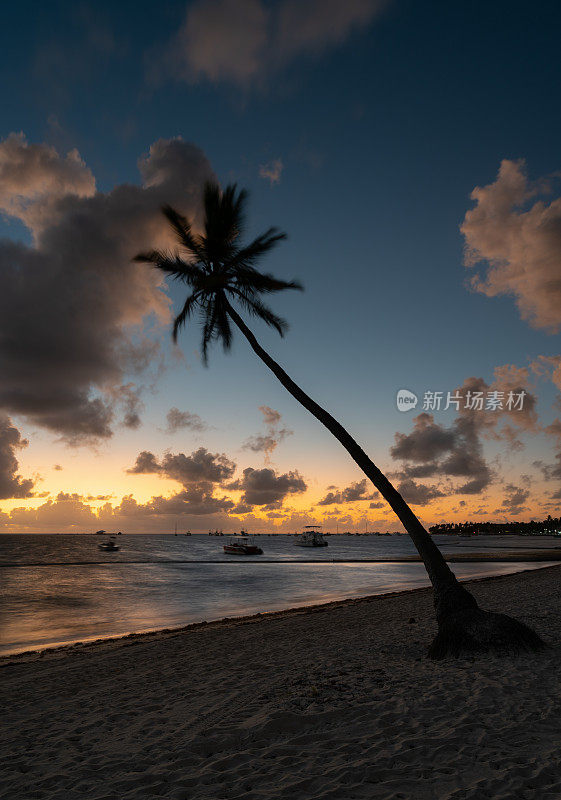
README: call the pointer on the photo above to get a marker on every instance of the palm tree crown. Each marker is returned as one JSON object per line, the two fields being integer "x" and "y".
{"x": 218, "y": 268}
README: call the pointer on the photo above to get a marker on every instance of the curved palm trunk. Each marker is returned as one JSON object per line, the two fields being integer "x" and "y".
{"x": 462, "y": 625}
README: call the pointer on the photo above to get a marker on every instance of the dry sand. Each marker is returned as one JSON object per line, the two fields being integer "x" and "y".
{"x": 333, "y": 702}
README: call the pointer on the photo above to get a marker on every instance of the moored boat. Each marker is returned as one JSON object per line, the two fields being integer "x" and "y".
{"x": 108, "y": 547}
{"x": 242, "y": 546}
{"x": 311, "y": 536}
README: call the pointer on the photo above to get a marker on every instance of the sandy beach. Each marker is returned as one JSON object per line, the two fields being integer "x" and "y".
{"x": 335, "y": 701}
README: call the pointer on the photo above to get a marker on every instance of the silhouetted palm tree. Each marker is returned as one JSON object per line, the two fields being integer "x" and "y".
{"x": 219, "y": 271}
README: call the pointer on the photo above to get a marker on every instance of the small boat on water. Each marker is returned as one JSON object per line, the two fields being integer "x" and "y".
{"x": 311, "y": 536}
{"x": 108, "y": 547}
{"x": 242, "y": 546}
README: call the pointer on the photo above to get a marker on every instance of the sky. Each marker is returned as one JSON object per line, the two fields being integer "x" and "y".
{"x": 411, "y": 153}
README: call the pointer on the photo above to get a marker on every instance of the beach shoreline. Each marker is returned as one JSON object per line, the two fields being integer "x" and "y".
{"x": 333, "y": 701}
{"x": 60, "y": 649}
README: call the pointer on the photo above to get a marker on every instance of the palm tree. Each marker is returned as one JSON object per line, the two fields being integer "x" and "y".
{"x": 219, "y": 273}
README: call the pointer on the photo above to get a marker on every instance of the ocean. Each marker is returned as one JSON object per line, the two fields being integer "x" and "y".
{"x": 60, "y": 588}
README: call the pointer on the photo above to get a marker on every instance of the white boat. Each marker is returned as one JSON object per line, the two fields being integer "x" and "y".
{"x": 242, "y": 546}
{"x": 109, "y": 547}
{"x": 311, "y": 536}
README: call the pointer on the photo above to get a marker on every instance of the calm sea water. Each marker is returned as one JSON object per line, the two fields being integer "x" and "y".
{"x": 61, "y": 588}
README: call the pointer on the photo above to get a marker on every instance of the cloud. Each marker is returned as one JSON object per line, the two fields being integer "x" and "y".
{"x": 356, "y": 491}
{"x": 427, "y": 442}
{"x": 33, "y": 178}
{"x": 417, "y": 493}
{"x": 65, "y": 512}
{"x": 89, "y": 301}
{"x": 266, "y": 487}
{"x": 198, "y": 500}
{"x": 548, "y": 366}
{"x": 200, "y": 466}
{"x": 518, "y": 234}
{"x": 515, "y": 498}
{"x": 200, "y": 474}
{"x": 12, "y": 485}
{"x": 72, "y": 512}
{"x": 454, "y": 451}
{"x": 432, "y": 449}
{"x": 270, "y": 416}
{"x": 266, "y": 443}
{"x": 245, "y": 42}
{"x": 272, "y": 171}
{"x": 128, "y": 395}
{"x": 552, "y": 471}
{"x": 145, "y": 464}
{"x": 178, "y": 420}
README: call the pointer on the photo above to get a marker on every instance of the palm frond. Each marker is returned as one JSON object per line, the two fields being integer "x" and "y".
{"x": 224, "y": 221}
{"x": 253, "y": 281}
{"x": 258, "y": 309}
{"x": 183, "y": 231}
{"x": 185, "y": 313}
{"x": 224, "y": 330}
{"x": 259, "y": 247}
{"x": 172, "y": 265}
{"x": 209, "y": 328}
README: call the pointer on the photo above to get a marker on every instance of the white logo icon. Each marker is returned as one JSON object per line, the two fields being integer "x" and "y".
{"x": 406, "y": 400}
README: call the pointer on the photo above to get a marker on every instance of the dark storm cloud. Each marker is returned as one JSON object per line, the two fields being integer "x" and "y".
{"x": 265, "y": 487}
{"x": 72, "y": 303}
{"x": 12, "y": 485}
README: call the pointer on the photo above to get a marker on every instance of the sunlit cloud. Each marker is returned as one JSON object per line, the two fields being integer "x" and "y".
{"x": 517, "y": 232}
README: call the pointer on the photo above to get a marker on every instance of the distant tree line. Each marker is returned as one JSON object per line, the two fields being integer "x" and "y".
{"x": 549, "y": 525}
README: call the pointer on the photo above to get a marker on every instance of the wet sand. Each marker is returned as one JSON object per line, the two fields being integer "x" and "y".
{"x": 335, "y": 701}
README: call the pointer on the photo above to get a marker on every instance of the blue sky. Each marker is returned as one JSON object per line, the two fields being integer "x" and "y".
{"x": 380, "y": 127}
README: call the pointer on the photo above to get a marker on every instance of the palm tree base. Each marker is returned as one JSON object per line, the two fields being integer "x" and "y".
{"x": 471, "y": 631}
